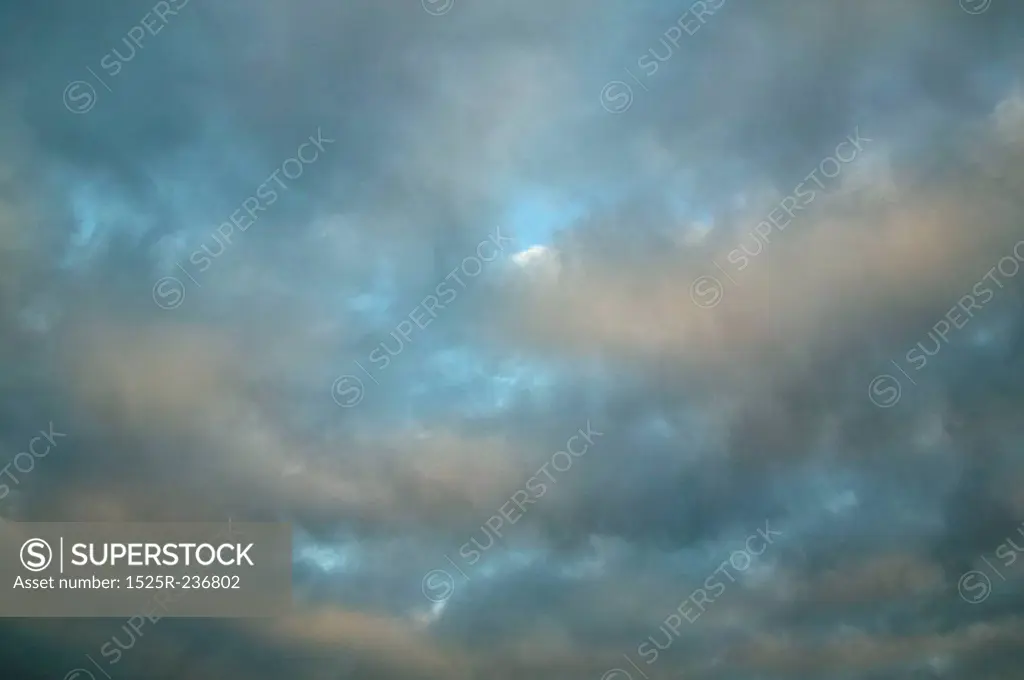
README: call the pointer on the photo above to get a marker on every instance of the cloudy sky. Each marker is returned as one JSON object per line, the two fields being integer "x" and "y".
{"x": 577, "y": 339}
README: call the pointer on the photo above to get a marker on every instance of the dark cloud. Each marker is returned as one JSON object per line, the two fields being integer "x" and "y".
{"x": 227, "y": 391}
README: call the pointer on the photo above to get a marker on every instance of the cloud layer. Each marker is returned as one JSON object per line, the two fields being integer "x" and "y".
{"x": 376, "y": 269}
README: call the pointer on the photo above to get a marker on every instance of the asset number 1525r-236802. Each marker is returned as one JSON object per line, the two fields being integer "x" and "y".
{"x": 193, "y": 582}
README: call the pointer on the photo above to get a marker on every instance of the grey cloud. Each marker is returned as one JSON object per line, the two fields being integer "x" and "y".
{"x": 716, "y": 420}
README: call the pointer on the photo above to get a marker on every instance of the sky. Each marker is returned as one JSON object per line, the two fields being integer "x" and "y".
{"x": 576, "y": 339}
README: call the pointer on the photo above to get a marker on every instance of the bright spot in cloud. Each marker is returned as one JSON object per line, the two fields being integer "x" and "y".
{"x": 532, "y": 255}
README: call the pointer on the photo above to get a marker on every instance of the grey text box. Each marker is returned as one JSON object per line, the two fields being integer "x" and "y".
{"x": 179, "y": 569}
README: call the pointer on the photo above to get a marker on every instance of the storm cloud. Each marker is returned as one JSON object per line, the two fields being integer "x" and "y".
{"x": 536, "y": 320}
